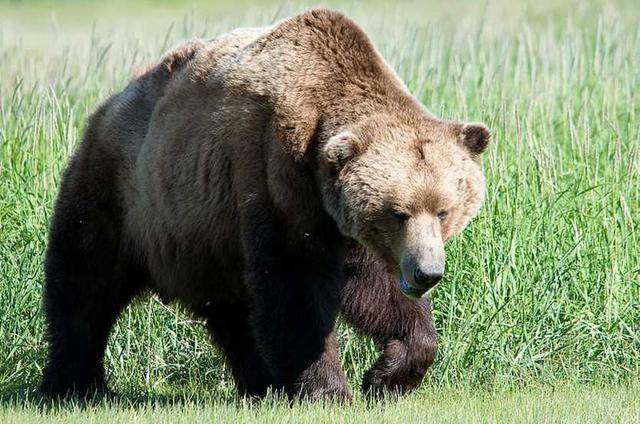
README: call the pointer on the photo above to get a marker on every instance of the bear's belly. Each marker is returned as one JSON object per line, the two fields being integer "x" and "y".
{"x": 189, "y": 243}
{"x": 196, "y": 276}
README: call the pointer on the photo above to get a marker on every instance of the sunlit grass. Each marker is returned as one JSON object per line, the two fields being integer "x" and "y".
{"x": 565, "y": 404}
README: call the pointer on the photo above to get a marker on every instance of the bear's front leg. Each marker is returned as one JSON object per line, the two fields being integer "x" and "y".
{"x": 296, "y": 297}
{"x": 373, "y": 304}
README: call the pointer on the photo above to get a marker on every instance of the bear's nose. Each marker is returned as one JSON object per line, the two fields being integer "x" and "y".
{"x": 425, "y": 279}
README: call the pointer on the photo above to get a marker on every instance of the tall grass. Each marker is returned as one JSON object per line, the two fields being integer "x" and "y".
{"x": 543, "y": 288}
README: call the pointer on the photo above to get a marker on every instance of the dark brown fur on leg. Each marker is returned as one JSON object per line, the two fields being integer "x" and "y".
{"x": 313, "y": 382}
{"x": 296, "y": 297}
{"x": 87, "y": 283}
{"x": 229, "y": 326}
{"x": 403, "y": 327}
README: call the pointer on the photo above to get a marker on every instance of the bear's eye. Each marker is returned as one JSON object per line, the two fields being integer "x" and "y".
{"x": 442, "y": 215}
{"x": 401, "y": 216}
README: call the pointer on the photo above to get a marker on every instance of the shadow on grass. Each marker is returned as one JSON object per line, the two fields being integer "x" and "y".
{"x": 28, "y": 397}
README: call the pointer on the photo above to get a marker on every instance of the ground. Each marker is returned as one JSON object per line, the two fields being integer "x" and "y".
{"x": 567, "y": 404}
{"x": 538, "y": 315}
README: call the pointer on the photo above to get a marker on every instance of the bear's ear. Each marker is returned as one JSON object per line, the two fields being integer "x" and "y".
{"x": 340, "y": 148}
{"x": 475, "y": 137}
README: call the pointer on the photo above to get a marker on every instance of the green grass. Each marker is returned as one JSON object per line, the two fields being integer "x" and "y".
{"x": 568, "y": 404}
{"x": 542, "y": 290}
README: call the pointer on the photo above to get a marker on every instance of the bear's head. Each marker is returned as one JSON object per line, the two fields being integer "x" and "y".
{"x": 403, "y": 189}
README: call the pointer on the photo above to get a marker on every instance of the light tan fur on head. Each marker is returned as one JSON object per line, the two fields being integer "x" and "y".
{"x": 404, "y": 188}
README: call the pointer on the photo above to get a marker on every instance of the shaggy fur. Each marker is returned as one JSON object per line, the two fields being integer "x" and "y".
{"x": 248, "y": 178}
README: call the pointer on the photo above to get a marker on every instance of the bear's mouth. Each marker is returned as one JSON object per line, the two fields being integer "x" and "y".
{"x": 410, "y": 291}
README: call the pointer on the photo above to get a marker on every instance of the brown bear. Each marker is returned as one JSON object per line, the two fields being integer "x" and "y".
{"x": 267, "y": 180}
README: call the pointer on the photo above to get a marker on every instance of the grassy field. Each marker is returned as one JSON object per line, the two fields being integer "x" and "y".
{"x": 539, "y": 315}
{"x": 567, "y": 404}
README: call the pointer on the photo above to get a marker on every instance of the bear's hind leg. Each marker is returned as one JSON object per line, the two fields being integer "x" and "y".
{"x": 87, "y": 284}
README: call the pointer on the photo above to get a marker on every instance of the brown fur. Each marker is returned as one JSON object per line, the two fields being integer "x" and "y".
{"x": 234, "y": 177}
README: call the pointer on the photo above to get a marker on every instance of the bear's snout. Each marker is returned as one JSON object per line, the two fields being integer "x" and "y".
{"x": 423, "y": 258}
{"x": 416, "y": 280}
{"x": 426, "y": 279}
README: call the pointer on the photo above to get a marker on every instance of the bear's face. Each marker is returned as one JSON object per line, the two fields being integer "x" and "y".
{"x": 402, "y": 190}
